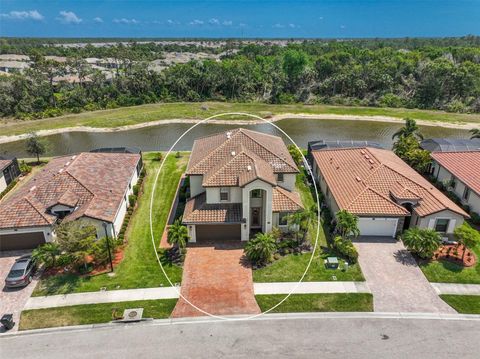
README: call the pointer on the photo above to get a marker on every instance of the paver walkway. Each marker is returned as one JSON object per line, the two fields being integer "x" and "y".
{"x": 454, "y": 288}
{"x": 216, "y": 280}
{"x": 396, "y": 281}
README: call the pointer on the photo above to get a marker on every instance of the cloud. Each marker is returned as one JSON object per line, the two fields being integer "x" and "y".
{"x": 98, "y": 19}
{"x": 69, "y": 17}
{"x": 227, "y": 23}
{"x": 278, "y": 26}
{"x": 292, "y": 26}
{"x": 126, "y": 21}
{"x": 342, "y": 26}
{"x": 196, "y": 22}
{"x": 320, "y": 18}
{"x": 214, "y": 21}
{"x": 23, "y": 15}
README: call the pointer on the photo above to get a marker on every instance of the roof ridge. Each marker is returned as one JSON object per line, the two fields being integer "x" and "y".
{"x": 26, "y": 198}
{"x": 80, "y": 183}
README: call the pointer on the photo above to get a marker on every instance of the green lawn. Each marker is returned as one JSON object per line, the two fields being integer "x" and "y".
{"x": 91, "y": 313}
{"x": 139, "y": 268}
{"x": 333, "y": 302}
{"x": 162, "y": 111}
{"x": 447, "y": 272}
{"x": 291, "y": 267}
{"x": 465, "y": 304}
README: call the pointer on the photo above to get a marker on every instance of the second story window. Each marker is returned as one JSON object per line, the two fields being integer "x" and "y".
{"x": 224, "y": 194}
{"x": 279, "y": 177}
{"x": 257, "y": 193}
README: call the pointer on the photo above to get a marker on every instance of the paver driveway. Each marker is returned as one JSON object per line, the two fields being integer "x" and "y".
{"x": 216, "y": 280}
{"x": 13, "y": 300}
{"x": 396, "y": 281}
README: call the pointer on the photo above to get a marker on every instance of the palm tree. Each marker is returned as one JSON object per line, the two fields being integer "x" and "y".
{"x": 422, "y": 241}
{"x": 410, "y": 129}
{"x": 347, "y": 224}
{"x": 177, "y": 235}
{"x": 47, "y": 254}
{"x": 261, "y": 248}
{"x": 475, "y": 133}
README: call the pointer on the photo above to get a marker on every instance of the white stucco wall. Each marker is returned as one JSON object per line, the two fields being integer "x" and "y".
{"x": 213, "y": 195}
{"x": 456, "y": 220}
{"x": 3, "y": 183}
{"x": 444, "y": 175}
{"x": 196, "y": 185}
{"x": 267, "y": 209}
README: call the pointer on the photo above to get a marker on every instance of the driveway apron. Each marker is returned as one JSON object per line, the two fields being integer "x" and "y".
{"x": 396, "y": 281}
{"x": 216, "y": 280}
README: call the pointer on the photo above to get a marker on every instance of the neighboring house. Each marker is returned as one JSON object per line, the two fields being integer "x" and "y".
{"x": 331, "y": 144}
{"x": 461, "y": 170}
{"x": 241, "y": 182}
{"x": 385, "y": 193}
{"x": 9, "y": 171}
{"x": 91, "y": 186}
{"x": 450, "y": 144}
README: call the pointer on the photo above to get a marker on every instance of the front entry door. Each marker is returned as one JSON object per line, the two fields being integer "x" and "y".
{"x": 256, "y": 218}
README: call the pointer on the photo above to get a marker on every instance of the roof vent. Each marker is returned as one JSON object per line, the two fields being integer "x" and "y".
{"x": 367, "y": 157}
{"x": 362, "y": 152}
{"x": 73, "y": 157}
{"x": 60, "y": 170}
{"x": 66, "y": 164}
{"x": 233, "y": 153}
{"x": 249, "y": 168}
{"x": 358, "y": 179}
{"x": 371, "y": 161}
{"x": 33, "y": 188}
{"x": 229, "y": 134}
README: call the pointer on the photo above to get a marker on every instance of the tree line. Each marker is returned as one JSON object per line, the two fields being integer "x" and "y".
{"x": 418, "y": 73}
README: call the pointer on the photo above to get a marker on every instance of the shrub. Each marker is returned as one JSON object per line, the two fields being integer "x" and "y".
{"x": 9, "y": 187}
{"x": 475, "y": 217}
{"x": 422, "y": 241}
{"x": 346, "y": 248}
{"x": 132, "y": 199}
{"x": 136, "y": 189}
{"x": 260, "y": 249}
{"x": 24, "y": 168}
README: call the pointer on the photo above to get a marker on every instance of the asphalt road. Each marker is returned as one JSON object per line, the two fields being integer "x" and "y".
{"x": 318, "y": 336}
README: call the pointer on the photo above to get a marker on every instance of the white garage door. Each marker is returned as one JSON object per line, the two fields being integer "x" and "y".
{"x": 377, "y": 226}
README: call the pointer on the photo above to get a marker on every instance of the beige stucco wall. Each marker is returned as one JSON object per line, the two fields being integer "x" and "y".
{"x": 456, "y": 220}
{"x": 196, "y": 185}
{"x": 267, "y": 209}
{"x": 444, "y": 175}
{"x": 288, "y": 181}
{"x": 213, "y": 195}
{"x": 3, "y": 183}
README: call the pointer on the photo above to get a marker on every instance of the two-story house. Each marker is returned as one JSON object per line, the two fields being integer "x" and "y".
{"x": 241, "y": 182}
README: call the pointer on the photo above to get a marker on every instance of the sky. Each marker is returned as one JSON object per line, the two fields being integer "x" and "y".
{"x": 239, "y": 18}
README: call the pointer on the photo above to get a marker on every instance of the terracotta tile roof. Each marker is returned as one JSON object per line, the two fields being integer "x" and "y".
{"x": 198, "y": 211}
{"x": 285, "y": 201}
{"x": 463, "y": 165}
{"x": 362, "y": 180}
{"x": 4, "y": 164}
{"x": 209, "y": 151}
{"x": 93, "y": 182}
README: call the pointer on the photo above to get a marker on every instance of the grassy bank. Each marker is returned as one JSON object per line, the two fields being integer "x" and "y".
{"x": 91, "y": 313}
{"x": 333, "y": 302}
{"x": 162, "y": 111}
{"x": 139, "y": 268}
{"x": 465, "y": 304}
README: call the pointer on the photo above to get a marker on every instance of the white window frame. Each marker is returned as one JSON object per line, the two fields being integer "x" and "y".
{"x": 441, "y": 219}
{"x": 466, "y": 194}
{"x": 280, "y": 215}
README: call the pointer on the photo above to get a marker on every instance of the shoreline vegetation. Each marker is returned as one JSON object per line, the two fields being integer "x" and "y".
{"x": 130, "y": 118}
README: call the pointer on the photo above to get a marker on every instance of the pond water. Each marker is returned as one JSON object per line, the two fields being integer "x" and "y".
{"x": 161, "y": 137}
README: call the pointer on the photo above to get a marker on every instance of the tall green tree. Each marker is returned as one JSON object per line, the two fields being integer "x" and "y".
{"x": 347, "y": 224}
{"x": 77, "y": 239}
{"x": 35, "y": 146}
{"x": 410, "y": 129}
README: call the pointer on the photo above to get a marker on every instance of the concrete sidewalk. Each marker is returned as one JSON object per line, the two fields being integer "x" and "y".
{"x": 311, "y": 287}
{"x": 454, "y": 288}
{"x": 112, "y": 296}
{"x": 126, "y": 295}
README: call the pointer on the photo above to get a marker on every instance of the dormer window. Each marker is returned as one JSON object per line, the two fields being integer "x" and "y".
{"x": 224, "y": 194}
{"x": 279, "y": 177}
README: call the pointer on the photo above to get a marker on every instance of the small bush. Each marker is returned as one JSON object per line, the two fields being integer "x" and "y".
{"x": 346, "y": 248}
{"x": 475, "y": 217}
{"x": 136, "y": 189}
{"x": 132, "y": 199}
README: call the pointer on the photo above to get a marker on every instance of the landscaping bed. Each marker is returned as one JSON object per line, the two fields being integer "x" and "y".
{"x": 456, "y": 254}
{"x": 91, "y": 313}
{"x": 139, "y": 267}
{"x": 331, "y": 302}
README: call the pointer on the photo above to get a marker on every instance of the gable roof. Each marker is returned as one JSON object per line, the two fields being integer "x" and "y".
{"x": 463, "y": 165}
{"x": 94, "y": 183}
{"x": 363, "y": 180}
{"x": 209, "y": 151}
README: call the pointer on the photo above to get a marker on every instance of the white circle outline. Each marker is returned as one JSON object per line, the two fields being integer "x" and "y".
{"x": 318, "y": 217}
